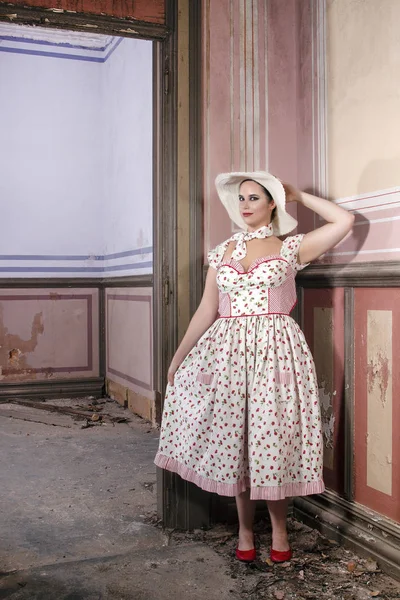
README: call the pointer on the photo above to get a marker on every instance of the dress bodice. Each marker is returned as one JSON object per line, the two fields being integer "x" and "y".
{"x": 267, "y": 287}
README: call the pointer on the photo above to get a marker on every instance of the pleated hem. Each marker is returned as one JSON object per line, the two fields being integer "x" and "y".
{"x": 278, "y": 492}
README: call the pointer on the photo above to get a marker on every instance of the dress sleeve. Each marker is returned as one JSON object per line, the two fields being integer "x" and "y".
{"x": 290, "y": 251}
{"x": 216, "y": 255}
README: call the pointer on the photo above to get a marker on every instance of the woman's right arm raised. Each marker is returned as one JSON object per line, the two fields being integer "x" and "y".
{"x": 202, "y": 319}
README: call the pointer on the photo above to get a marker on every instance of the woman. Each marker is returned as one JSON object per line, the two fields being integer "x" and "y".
{"x": 242, "y": 413}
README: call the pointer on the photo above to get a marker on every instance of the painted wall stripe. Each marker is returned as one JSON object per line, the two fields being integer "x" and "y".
{"x": 23, "y": 40}
{"x": 102, "y": 269}
{"x": 72, "y": 257}
{"x": 48, "y": 54}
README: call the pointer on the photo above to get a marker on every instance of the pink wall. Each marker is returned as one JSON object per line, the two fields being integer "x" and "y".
{"x": 256, "y": 97}
{"x": 129, "y": 334}
{"x": 377, "y": 407}
{"x": 48, "y": 334}
{"x": 235, "y": 80}
{"x": 325, "y": 336}
{"x": 268, "y": 103}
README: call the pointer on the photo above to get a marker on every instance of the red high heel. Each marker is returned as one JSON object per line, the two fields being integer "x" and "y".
{"x": 246, "y": 555}
{"x": 278, "y": 557}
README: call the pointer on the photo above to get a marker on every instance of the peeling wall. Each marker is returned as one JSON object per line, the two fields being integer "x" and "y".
{"x": 48, "y": 334}
{"x": 324, "y": 330}
{"x": 151, "y": 11}
{"x": 377, "y": 410}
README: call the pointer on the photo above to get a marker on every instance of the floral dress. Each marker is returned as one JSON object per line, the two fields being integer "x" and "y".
{"x": 244, "y": 408}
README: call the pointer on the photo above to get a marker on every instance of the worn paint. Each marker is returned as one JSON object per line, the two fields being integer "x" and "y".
{"x": 328, "y": 418}
{"x": 378, "y": 373}
{"x": 323, "y": 354}
{"x": 14, "y": 349}
{"x": 146, "y": 11}
{"x": 379, "y": 400}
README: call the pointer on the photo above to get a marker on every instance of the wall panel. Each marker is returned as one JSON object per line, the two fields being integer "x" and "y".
{"x": 377, "y": 407}
{"x": 48, "y": 334}
{"x": 129, "y": 335}
{"x": 323, "y": 313}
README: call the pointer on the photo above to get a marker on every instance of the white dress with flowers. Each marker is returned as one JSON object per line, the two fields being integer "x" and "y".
{"x": 244, "y": 408}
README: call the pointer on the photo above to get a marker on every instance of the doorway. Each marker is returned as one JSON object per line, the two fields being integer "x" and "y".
{"x": 163, "y": 304}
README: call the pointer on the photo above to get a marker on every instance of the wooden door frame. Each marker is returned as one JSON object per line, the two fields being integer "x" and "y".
{"x": 181, "y": 504}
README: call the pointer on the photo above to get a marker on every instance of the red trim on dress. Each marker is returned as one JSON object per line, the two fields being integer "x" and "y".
{"x": 278, "y": 492}
{"x": 254, "y": 264}
{"x": 261, "y": 314}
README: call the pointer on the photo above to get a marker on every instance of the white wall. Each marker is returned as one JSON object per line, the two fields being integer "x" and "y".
{"x": 50, "y": 156}
{"x": 76, "y": 164}
{"x": 127, "y": 89}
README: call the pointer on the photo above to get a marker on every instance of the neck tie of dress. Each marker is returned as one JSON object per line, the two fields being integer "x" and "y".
{"x": 242, "y": 237}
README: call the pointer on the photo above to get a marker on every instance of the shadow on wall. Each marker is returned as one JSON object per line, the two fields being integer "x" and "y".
{"x": 377, "y": 175}
{"x": 380, "y": 175}
{"x": 358, "y": 236}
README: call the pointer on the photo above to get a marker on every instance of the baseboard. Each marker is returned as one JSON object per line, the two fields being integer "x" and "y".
{"x": 354, "y": 526}
{"x": 66, "y": 388}
{"x": 137, "y": 403}
{"x": 364, "y": 274}
{"x": 132, "y": 281}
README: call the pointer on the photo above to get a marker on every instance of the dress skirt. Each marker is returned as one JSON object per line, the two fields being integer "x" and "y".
{"x": 244, "y": 411}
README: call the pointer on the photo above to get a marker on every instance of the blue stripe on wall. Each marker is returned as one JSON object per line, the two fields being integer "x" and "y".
{"x": 96, "y": 59}
{"x": 53, "y": 55}
{"x": 145, "y": 250}
{"x": 72, "y": 257}
{"x": 113, "y": 49}
{"x": 131, "y": 266}
{"x": 10, "y": 38}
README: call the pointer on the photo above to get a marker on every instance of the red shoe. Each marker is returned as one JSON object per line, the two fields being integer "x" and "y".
{"x": 278, "y": 557}
{"x": 246, "y": 555}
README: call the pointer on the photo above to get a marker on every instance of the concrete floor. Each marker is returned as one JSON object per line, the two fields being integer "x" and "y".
{"x": 77, "y": 522}
{"x": 74, "y": 510}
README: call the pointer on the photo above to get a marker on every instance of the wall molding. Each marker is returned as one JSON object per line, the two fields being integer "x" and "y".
{"x": 110, "y": 369}
{"x": 319, "y": 97}
{"x": 66, "y": 388}
{"x": 367, "y": 532}
{"x": 33, "y": 47}
{"x": 101, "y": 265}
{"x": 195, "y": 158}
{"x": 365, "y": 274}
{"x": 348, "y": 393}
{"x": 133, "y": 281}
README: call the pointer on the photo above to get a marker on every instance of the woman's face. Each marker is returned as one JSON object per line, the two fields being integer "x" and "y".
{"x": 254, "y": 204}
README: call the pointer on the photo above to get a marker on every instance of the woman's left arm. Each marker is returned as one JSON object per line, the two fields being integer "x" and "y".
{"x": 317, "y": 242}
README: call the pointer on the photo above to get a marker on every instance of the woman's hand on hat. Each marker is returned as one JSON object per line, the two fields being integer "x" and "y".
{"x": 292, "y": 193}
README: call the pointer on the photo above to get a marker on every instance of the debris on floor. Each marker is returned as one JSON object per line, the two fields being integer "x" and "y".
{"x": 88, "y": 409}
{"x": 320, "y": 569}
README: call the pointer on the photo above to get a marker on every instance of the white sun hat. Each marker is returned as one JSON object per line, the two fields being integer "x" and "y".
{"x": 228, "y": 185}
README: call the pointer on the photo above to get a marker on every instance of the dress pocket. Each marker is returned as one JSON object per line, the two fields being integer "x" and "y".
{"x": 284, "y": 377}
{"x": 284, "y": 386}
{"x": 205, "y": 378}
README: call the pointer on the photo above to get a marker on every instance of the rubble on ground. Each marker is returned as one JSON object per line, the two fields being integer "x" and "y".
{"x": 321, "y": 569}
